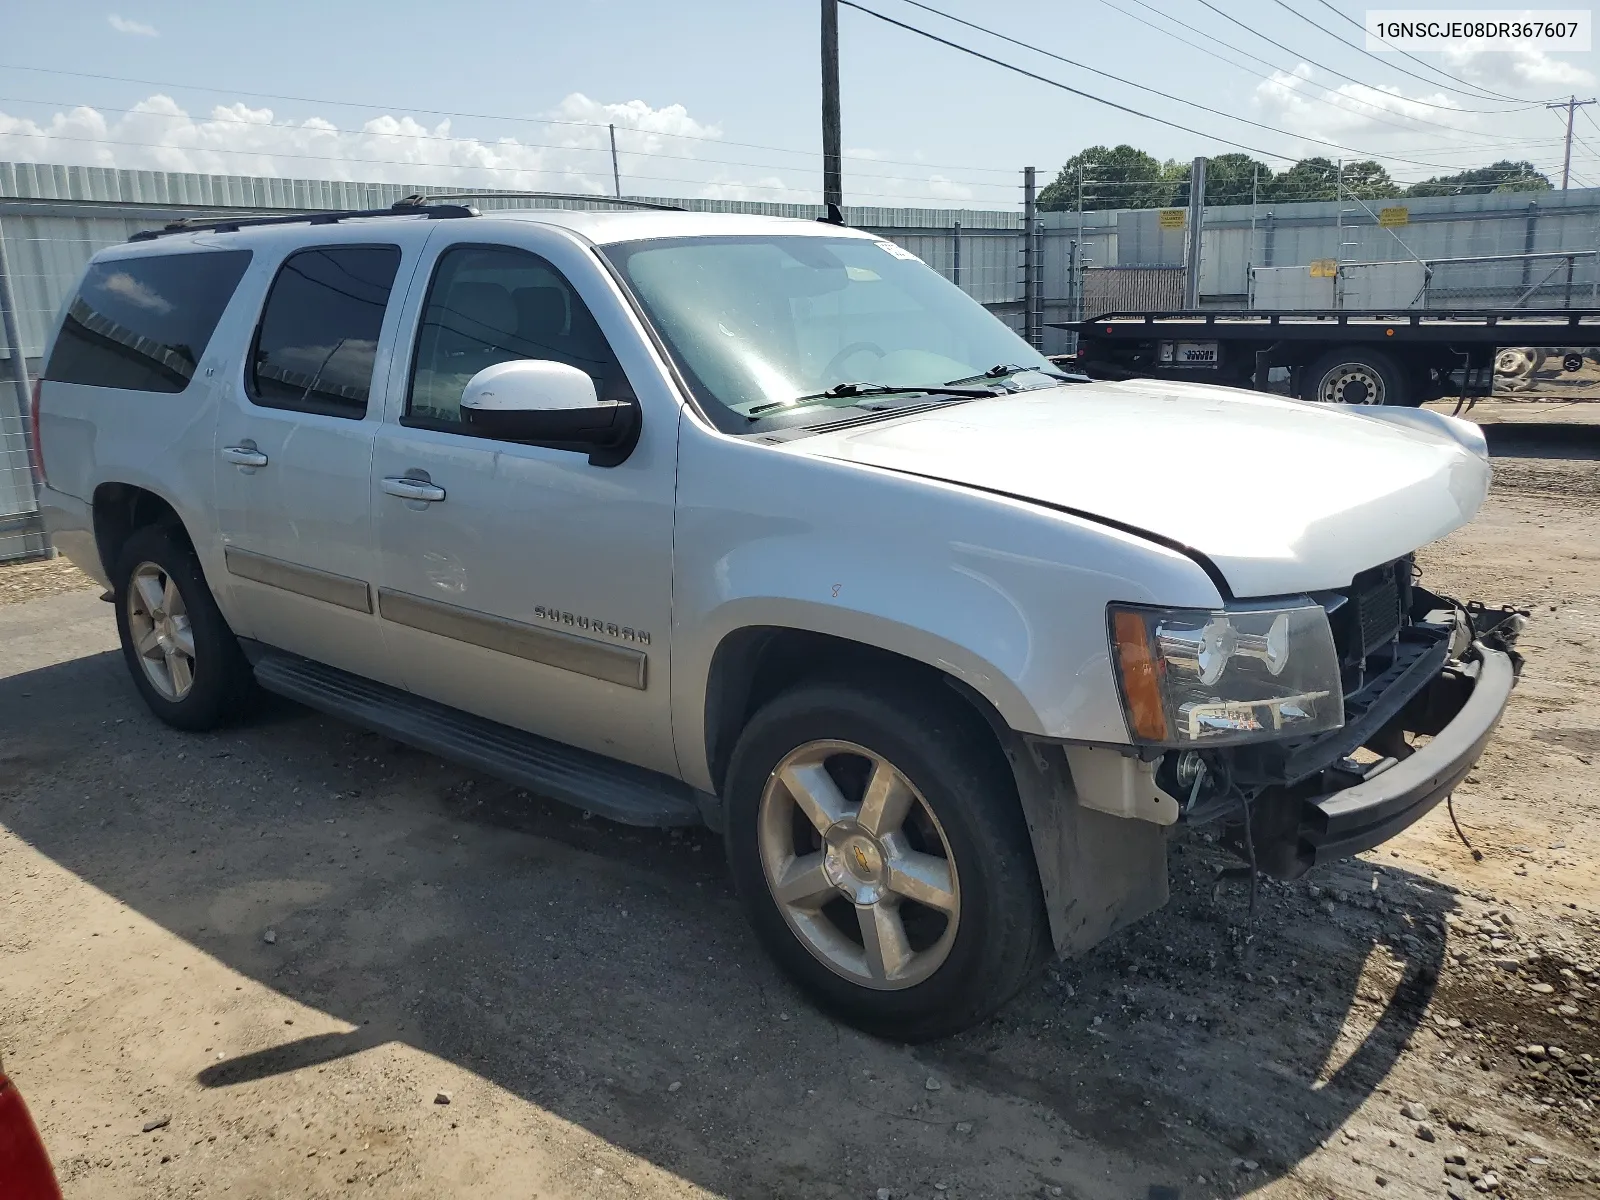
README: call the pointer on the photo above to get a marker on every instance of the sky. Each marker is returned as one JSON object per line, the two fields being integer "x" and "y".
{"x": 720, "y": 99}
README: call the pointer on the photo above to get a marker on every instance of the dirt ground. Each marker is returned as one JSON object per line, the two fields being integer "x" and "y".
{"x": 257, "y": 964}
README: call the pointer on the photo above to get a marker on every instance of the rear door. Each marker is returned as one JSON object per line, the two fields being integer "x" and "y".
{"x": 294, "y": 447}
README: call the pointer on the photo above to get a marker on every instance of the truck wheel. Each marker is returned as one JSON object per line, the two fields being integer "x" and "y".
{"x": 184, "y": 659}
{"x": 879, "y": 849}
{"x": 1355, "y": 376}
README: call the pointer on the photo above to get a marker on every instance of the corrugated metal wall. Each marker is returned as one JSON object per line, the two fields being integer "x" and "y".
{"x": 53, "y": 218}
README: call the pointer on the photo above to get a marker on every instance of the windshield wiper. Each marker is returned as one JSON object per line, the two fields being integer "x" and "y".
{"x": 1006, "y": 370}
{"x": 845, "y": 391}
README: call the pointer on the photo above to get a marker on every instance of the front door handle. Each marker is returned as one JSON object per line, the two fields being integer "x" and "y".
{"x": 408, "y": 488}
{"x": 244, "y": 456}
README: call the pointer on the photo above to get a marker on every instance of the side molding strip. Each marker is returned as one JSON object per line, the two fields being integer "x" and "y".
{"x": 553, "y": 647}
{"x": 303, "y": 581}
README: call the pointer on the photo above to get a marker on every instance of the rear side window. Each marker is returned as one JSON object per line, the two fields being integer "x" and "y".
{"x": 143, "y": 323}
{"x": 318, "y": 339}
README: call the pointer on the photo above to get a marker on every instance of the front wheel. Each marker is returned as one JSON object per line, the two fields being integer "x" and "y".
{"x": 878, "y": 847}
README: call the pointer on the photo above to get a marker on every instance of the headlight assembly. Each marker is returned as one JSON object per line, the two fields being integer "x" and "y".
{"x": 1194, "y": 677}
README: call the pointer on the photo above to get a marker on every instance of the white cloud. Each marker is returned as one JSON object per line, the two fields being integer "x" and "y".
{"x": 1516, "y": 69}
{"x": 136, "y": 28}
{"x": 236, "y": 139}
{"x": 130, "y": 289}
{"x": 1353, "y": 113}
{"x": 663, "y": 151}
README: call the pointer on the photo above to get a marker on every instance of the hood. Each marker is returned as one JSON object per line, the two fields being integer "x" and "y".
{"x": 1280, "y": 495}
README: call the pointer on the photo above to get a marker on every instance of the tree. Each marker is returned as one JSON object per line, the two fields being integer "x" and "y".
{"x": 1319, "y": 178}
{"x": 1230, "y": 177}
{"x": 1113, "y": 177}
{"x": 1369, "y": 181}
{"x": 1503, "y": 176}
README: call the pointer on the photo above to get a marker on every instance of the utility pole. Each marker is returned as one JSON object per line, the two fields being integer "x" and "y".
{"x": 616, "y": 173}
{"x": 1572, "y": 104}
{"x": 1197, "y": 212}
{"x": 832, "y": 140}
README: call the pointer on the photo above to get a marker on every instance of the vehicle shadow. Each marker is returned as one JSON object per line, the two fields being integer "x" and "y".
{"x": 587, "y": 968}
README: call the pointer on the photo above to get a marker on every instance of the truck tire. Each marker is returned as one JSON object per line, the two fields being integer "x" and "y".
{"x": 184, "y": 659}
{"x": 877, "y": 844}
{"x": 1356, "y": 375}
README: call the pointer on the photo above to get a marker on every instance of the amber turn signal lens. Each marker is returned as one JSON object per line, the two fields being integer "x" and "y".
{"x": 1140, "y": 686}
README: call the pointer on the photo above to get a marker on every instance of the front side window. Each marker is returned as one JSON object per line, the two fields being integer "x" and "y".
{"x": 757, "y": 323}
{"x": 489, "y": 305}
{"x": 318, "y": 340}
{"x": 142, "y": 324}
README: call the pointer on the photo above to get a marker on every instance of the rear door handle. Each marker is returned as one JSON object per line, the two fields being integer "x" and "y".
{"x": 244, "y": 456}
{"x": 413, "y": 489}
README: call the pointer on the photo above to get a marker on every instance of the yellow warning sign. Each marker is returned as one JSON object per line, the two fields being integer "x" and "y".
{"x": 1173, "y": 218}
{"x": 1393, "y": 218}
{"x": 1324, "y": 268}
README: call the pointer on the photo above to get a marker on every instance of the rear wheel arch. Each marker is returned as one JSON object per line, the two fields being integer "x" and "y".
{"x": 122, "y": 508}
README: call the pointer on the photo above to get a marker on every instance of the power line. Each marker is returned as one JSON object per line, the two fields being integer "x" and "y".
{"x": 1420, "y": 62}
{"x": 1055, "y": 83}
{"x": 434, "y": 137}
{"x": 1128, "y": 82}
{"x": 1332, "y": 97}
{"x": 1342, "y": 75}
{"x": 441, "y": 112}
{"x": 1289, "y": 8}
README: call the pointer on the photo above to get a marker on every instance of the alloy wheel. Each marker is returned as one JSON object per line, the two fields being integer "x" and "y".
{"x": 158, "y": 623}
{"x": 859, "y": 865}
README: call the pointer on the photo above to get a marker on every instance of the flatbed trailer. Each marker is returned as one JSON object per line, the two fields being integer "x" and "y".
{"x": 1339, "y": 356}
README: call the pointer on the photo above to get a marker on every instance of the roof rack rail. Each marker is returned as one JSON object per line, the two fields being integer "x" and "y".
{"x": 411, "y": 206}
{"x": 619, "y": 201}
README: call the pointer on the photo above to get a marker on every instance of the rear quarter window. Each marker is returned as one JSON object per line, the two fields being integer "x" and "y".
{"x": 142, "y": 324}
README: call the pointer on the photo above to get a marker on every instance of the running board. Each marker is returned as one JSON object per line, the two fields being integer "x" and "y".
{"x": 616, "y": 790}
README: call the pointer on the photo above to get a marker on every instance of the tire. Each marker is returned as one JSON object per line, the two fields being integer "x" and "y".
{"x": 156, "y": 576}
{"x": 967, "y": 958}
{"x": 1356, "y": 376}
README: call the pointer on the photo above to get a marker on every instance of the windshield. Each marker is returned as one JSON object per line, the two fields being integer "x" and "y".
{"x": 767, "y": 323}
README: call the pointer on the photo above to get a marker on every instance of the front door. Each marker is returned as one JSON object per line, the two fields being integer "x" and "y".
{"x": 294, "y": 450}
{"x": 518, "y": 582}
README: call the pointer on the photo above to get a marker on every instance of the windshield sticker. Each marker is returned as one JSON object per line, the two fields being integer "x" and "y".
{"x": 897, "y": 251}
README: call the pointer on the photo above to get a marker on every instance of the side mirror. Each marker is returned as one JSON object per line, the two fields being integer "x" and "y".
{"x": 550, "y": 404}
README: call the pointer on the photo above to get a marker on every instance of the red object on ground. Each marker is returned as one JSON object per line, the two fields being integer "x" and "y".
{"x": 25, "y": 1171}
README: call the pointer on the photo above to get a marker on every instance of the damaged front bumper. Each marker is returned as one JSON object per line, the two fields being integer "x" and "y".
{"x": 1354, "y": 806}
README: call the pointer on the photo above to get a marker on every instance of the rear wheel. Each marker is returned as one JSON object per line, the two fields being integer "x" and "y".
{"x": 184, "y": 659}
{"x": 878, "y": 847}
{"x": 1356, "y": 376}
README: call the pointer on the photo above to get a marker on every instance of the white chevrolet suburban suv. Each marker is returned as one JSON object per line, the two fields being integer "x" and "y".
{"x": 757, "y": 523}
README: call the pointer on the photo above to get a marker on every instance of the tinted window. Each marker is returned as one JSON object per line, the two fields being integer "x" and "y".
{"x": 319, "y": 331}
{"x": 143, "y": 323}
{"x": 491, "y": 304}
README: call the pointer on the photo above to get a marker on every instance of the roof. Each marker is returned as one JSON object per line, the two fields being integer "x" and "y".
{"x": 598, "y": 227}
{"x": 603, "y": 228}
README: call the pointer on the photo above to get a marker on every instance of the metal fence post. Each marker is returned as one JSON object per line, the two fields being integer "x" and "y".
{"x": 955, "y": 250}
{"x": 19, "y": 373}
{"x": 1032, "y": 322}
{"x": 1197, "y": 212}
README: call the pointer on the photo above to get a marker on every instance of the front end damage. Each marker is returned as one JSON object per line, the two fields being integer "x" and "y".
{"x": 1426, "y": 680}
